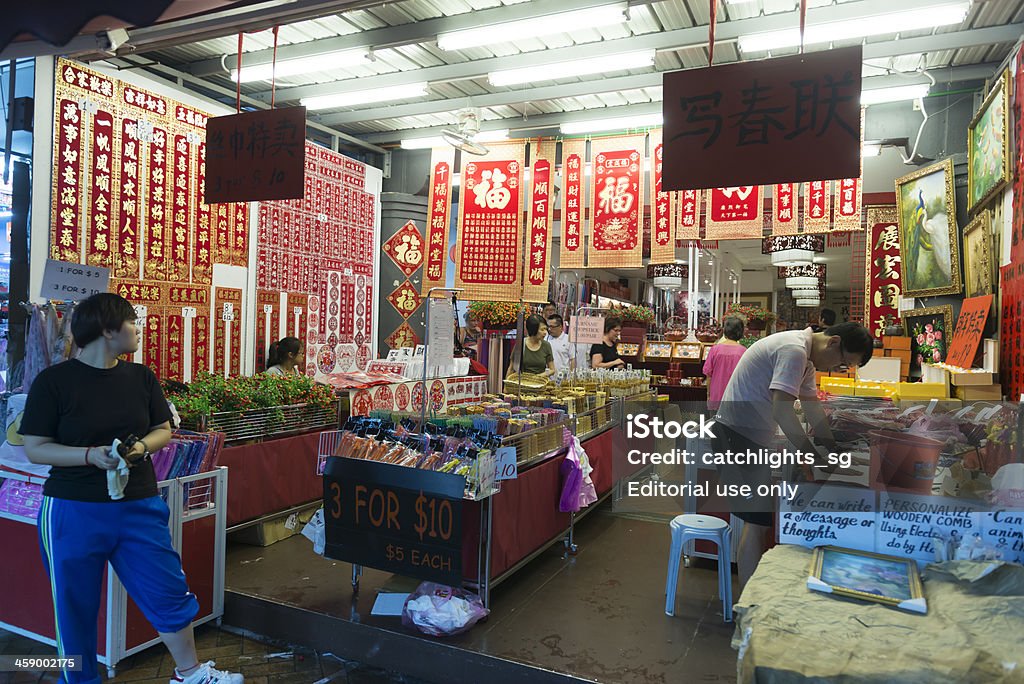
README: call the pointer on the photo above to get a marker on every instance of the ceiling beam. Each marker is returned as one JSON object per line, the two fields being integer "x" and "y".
{"x": 403, "y": 34}
{"x": 604, "y": 85}
{"x": 666, "y": 40}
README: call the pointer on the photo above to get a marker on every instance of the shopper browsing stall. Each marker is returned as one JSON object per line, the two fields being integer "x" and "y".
{"x": 533, "y": 355}
{"x": 773, "y": 373}
{"x": 722, "y": 359}
{"x": 90, "y": 515}
{"x": 284, "y": 356}
{"x": 562, "y": 348}
{"x": 605, "y": 355}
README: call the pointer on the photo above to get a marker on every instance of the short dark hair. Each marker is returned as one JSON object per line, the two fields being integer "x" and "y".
{"x": 557, "y": 318}
{"x": 732, "y": 328}
{"x": 533, "y": 324}
{"x": 611, "y": 324}
{"x": 96, "y": 314}
{"x": 827, "y": 317}
{"x": 854, "y": 338}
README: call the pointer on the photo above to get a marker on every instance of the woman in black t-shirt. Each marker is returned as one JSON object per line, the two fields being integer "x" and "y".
{"x": 89, "y": 516}
{"x": 606, "y": 355}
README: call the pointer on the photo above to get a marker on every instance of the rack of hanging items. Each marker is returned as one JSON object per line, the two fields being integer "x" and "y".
{"x": 48, "y": 341}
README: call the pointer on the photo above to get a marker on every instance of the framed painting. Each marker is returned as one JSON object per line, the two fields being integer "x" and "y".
{"x": 930, "y": 250}
{"x": 659, "y": 350}
{"x": 869, "y": 576}
{"x": 979, "y": 264}
{"x": 930, "y": 331}
{"x": 988, "y": 146}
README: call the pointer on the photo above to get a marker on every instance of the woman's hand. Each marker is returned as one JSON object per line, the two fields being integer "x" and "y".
{"x": 135, "y": 454}
{"x": 102, "y": 458}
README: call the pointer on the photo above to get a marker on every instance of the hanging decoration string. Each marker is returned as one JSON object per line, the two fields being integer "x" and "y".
{"x": 711, "y": 32}
{"x": 273, "y": 70}
{"x": 238, "y": 80}
{"x": 803, "y": 23}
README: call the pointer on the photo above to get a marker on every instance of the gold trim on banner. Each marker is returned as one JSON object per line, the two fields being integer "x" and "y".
{"x": 823, "y": 223}
{"x": 735, "y": 230}
{"x": 437, "y": 156}
{"x": 630, "y": 258}
{"x": 544, "y": 150}
{"x": 660, "y": 254}
{"x": 793, "y": 226}
{"x": 877, "y": 215}
{"x": 848, "y": 223}
{"x": 513, "y": 151}
{"x": 566, "y": 258}
{"x": 688, "y": 232}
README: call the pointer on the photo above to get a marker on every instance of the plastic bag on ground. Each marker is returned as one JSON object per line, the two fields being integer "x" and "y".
{"x": 440, "y": 610}
{"x": 314, "y": 532}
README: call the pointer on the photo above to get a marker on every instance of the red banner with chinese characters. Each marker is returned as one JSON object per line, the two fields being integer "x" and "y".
{"x": 735, "y": 213}
{"x": 970, "y": 327}
{"x": 405, "y": 299}
{"x": 65, "y": 240}
{"x": 222, "y": 250}
{"x": 817, "y": 206}
{"x": 688, "y": 214}
{"x": 240, "y": 235}
{"x": 298, "y": 305}
{"x": 129, "y": 202}
{"x": 663, "y": 242}
{"x": 405, "y": 248}
{"x": 538, "y": 233}
{"x": 571, "y": 243}
{"x": 848, "y": 199}
{"x": 268, "y": 312}
{"x": 227, "y": 318}
{"x": 785, "y": 219}
{"x": 488, "y": 250}
{"x": 201, "y": 342}
{"x": 154, "y": 266}
{"x": 439, "y": 203}
{"x": 152, "y": 343}
{"x": 202, "y": 262}
{"x": 179, "y": 233}
{"x": 617, "y": 203}
{"x": 882, "y": 279}
{"x": 175, "y": 345}
{"x": 100, "y": 206}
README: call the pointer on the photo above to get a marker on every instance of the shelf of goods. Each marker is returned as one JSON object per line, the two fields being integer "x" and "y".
{"x": 441, "y": 394}
{"x": 197, "y": 522}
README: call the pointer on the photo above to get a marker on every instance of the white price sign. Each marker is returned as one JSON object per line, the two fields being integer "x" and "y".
{"x": 268, "y": 308}
{"x": 228, "y": 314}
{"x": 189, "y": 312}
{"x": 297, "y": 310}
{"x": 508, "y": 468}
{"x": 66, "y": 281}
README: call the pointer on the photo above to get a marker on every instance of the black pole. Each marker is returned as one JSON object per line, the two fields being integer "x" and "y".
{"x": 18, "y": 316}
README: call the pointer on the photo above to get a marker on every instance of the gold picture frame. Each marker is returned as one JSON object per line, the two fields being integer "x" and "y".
{"x": 659, "y": 350}
{"x": 923, "y": 318}
{"x": 989, "y": 166}
{"x": 689, "y": 351}
{"x": 979, "y": 266}
{"x": 888, "y": 580}
{"x": 929, "y": 238}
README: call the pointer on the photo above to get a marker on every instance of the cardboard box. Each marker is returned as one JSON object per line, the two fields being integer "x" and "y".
{"x": 971, "y": 379}
{"x": 924, "y": 390}
{"x": 880, "y": 369}
{"x": 896, "y": 343}
{"x": 980, "y": 392}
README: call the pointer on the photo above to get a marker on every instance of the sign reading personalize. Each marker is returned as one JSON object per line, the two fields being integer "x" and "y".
{"x": 764, "y": 122}
{"x": 817, "y": 206}
{"x": 256, "y": 156}
{"x": 439, "y": 202}
{"x": 735, "y": 213}
{"x": 587, "y": 329}
{"x": 970, "y": 326}
{"x": 882, "y": 279}
{"x": 73, "y": 282}
{"x": 784, "y": 216}
{"x": 389, "y": 523}
{"x": 617, "y": 204}
{"x": 571, "y": 255}
{"x": 663, "y": 243}
{"x": 538, "y": 235}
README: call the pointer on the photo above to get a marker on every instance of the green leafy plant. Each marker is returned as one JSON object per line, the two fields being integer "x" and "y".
{"x": 751, "y": 313}
{"x": 497, "y": 313}
{"x": 634, "y": 313}
{"x": 210, "y": 393}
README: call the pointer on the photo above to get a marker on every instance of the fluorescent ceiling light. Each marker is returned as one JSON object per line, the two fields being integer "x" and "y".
{"x": 535, "y": 26}
{"x": 438, "y": 141}
{"x": 858, "y": 27}
{"x": 303, "y": 65}
{"x": 618, "y": 124}
{"x": 894, "y": 94}
{"x": 357, "y": 97}
{"x": 580, "y": 67}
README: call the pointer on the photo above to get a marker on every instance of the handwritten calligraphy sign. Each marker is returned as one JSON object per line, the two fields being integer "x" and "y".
{"x": 439, "y": 209}
{"x": 256, "y": 156}
{"x": 764, "y": 122}
{"x": 784, "y": 216}
{"x": 882, "y": 280}
{"x": 573, "y": 153}
{"x": 538, "y": 247}
{"x": 969, "y": 328}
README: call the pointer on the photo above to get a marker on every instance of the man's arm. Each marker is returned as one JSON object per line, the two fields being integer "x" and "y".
{"x": 784, "y": 413}
{"x": 816, "y": 417}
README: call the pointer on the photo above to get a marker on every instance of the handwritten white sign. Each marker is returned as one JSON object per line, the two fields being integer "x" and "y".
{"x": 65, "y": 281}
{"x": 587, "y": 329}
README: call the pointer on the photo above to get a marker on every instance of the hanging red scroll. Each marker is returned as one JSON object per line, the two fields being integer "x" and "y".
{"x": 784, "y": 215}
{"x": 688, "y": 214}
{"x": 65, "y": 241}
{"x": 100, "y": 207}
{"x": 180, "y": 227}
{"x": 538, "y": 233}
{"x": 240, "y": 235}
{"x": 202, "y": 263}
{"x": 617, "y": 202}
{"x": 848, "y": 199}
{"x": 227, "y": 319}
{"x": 126, "y": 257}
{"x": 817, "y": 206}
{"x": 488, "y": 251}
{"x": 222, "y": 252}
{"x": 154, "y": 266}
{"x": 663, "y": 243}
{"x": 439, "y": 202}
{"x": 268, "y": 312}
{"x": 882, "y": 280}
{"x": 571, "y": 249}
{"x": 735, "y": 213}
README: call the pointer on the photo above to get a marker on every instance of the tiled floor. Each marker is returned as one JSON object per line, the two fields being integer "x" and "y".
{"x": 261, "y": 663}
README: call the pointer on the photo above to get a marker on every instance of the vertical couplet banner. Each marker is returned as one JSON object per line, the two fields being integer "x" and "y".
{"x": 617, "y": 203}
{"x": 688, "y": 214}
{"x": 817, "y": 206}
{"x": 848, "y": 200}
{"x": 439, "y": 203}
{"x": 663, "y": 243}
{"x": 65, "y": 240}
{"x": 735, "y": 213}
{"x": 180, "y": 232}
{"x": 785, "y": 219}
{"x": 102, "y": 179}
{"x": 571, "y": 250}
{"x": 538, "y": 235}
{"x": 488, "y": 259}
{"x": 882, "y": 280}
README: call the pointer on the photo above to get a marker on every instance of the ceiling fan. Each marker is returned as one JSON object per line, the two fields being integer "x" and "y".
{"x": 463, "y": 138}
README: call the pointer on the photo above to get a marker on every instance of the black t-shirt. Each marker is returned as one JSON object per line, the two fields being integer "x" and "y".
{"x": 608, "y": 353}
{"x": 78, "y": 405}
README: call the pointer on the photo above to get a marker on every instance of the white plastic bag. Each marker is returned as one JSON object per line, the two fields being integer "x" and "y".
{"x": 440, "y": 610}
{"x": 314, "y": 532}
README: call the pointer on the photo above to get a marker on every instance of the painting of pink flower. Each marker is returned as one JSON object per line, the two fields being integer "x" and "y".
{"x": 928, "y": 328}
{"x": 937, "y": 355}
{"x": 920, "y": 339}
{"x": 938, "y": 334}
{"x": 930, "y": 338}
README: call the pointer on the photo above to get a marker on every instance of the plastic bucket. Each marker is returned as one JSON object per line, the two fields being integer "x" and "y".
{"x": 904, "y": 461}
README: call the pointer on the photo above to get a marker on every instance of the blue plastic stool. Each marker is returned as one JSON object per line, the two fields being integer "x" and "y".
{"x": 687, "y": 528}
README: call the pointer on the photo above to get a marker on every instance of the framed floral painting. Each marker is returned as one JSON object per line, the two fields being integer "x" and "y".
{"x": 929, "y": 244}
{"x": 988, "y": 146}
{"x": 979, "y": 268}
{"x": 930, "y": 331}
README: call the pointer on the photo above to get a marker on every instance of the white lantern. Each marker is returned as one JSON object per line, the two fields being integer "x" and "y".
{"x": 792, "y": 257}
{"x": 802, "y": 282}
{"x": 808, "y": 301}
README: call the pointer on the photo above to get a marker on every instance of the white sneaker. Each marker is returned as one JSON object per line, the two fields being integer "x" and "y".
{"x": 208, "y": 674}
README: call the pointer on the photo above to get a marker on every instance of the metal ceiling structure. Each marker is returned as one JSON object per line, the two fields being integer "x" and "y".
{"x": 402, "y": 39}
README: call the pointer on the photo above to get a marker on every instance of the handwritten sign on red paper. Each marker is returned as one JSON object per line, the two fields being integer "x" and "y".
{"x": 969, "y": 328}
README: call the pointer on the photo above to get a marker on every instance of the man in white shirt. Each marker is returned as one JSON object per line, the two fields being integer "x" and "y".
{"x": 560, "y": 344}
{"x": 773, "y": 373}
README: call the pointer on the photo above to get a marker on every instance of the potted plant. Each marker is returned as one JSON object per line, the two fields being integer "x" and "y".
{"x": 709, "y": 332}
{"x": 497, "y": 315}
{"x": 756, "y": 318}
{"x": 636, "y": 316}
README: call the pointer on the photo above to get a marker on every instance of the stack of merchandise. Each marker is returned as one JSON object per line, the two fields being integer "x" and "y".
{"x": 188, "y": 453}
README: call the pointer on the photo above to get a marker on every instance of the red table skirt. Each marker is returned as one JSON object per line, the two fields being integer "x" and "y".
{"x": 271, "y": 476}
